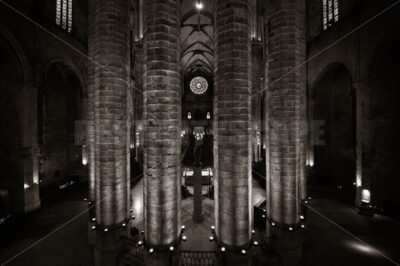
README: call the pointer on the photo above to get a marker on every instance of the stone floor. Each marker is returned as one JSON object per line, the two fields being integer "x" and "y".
{"x": 333, "y": 235}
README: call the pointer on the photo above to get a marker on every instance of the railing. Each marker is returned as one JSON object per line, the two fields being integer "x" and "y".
{"x": 185, "y": 258}
{"x": 130, "y": 247}
{"x": 197, "y": 258}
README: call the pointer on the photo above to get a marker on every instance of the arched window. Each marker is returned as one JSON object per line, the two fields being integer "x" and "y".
{"x": 64, "y": 14}
{"x": 330, "y": 13}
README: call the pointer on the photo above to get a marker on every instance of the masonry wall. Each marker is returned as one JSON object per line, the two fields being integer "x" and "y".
{"x": 349, "y": 44}
{"x": 36, "y": 50}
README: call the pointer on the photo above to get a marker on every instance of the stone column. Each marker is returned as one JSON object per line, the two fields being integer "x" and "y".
{"x": 286, "y": 110}
{"x": 90, "y": 137}
{"x": 363, "y": 140}
{"x": 232, "y": 123}
{"x": 111, "y": 127}
{"x": 27, "y": 105}
{"x": 162, "y": 118}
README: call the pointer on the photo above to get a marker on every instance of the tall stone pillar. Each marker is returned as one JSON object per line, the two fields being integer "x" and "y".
{"x": 27, "y": 105}
{"x": 111, "y": 128}
{"x": 90, "y": 137}
{"x": 162, "y": 118}
{"x": 286, "y": 110}
{"x": 363, "y": 141}
{"x": 232, "y": 124}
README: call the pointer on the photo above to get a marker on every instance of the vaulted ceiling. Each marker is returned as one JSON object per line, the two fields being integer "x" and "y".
{"x": 197, "y": 34}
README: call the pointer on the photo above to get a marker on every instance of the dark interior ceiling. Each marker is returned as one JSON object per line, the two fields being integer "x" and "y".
{"x": 197, "y": 37}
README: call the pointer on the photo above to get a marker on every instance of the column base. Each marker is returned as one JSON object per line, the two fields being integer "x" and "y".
{"x": 288, "y": 245}
{"x": 235, "y": 258}
{"x": 160, "y": 259}
{"x": 108, "y": 247}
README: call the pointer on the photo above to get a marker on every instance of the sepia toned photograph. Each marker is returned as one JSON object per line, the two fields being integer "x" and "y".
{"x": 199, "y": 132}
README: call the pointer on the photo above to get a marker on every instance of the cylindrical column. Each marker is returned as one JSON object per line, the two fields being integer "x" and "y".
{"x": 27, "y": 103}
{"x": 90, "y": 138}
{"x": 286, "y": 110}
{"x": 111, "y": 111}
{"x": 162, "y": 117}
{"x": 232, "y": 123}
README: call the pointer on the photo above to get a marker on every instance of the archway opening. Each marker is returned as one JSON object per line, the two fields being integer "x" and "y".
{"x": 60, "y": 132}
{"x": 334, "y": 113}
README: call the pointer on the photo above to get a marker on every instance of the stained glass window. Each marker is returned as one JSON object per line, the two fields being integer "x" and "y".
{"x": 198, "y": 85}
{"x": 64, "y": 14}
{"x": 58, "y": 12}
{"x": 330, "y": 12}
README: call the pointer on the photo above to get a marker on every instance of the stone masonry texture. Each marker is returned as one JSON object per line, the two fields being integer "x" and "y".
{"x": 232, "y": 123}
{"x": 286, "y": 110}
{"x": 162, "y": 118}
{"x": 111, "y": 105}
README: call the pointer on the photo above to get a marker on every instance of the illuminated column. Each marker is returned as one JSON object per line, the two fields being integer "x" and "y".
{"x": 362, "y": 179}
{"x": 286, "y": 111}
{"x": 90, "y": 138}
{"x": 111, "y": 128}
{"x": 162, "y": 115}
{"x": 29, "y": 147}
{"x": 232, "y": 124}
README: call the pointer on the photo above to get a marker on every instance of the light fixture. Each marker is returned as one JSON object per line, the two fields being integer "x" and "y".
{"x": 273, "y": 224}
{"x": 303, "y": 226}
{"x": 212, "y": 227}
{"x": 366, "y": 196}
{"x": 151, "y": 250}
{"x": 184, "y": 238}
{"x": 199, "y": 5}
{"x": 211, "y": 238}
{"x": 93, "y": 219}
{"x": 124, "y": 224}
{"x": 290, "y": 228}
{"x": 189, "y": 116}
{"x": 255, "y": 243}
{"x": 208, "y": 115}
{"x": 301, "y": 217}
{"x": 26, "y": 186}
{"x": 105, "y": 229}
{"x": 171, "y": 248}
{"x": 243, "y": 252}
{"x": 140, "y": 242}
{"x": 223, "y": 249}
{"x": 253, "y": 231}
{"x": 93, "y": 227}
{"x": 183, "y": 228}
